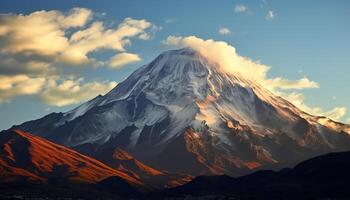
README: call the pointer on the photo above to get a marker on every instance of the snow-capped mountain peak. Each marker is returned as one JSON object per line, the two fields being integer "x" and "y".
{"x": 182, "y": 104}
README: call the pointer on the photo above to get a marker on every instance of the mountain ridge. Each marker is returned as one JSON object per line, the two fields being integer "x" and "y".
{"x": 23, "y": 154}
{"x": 321, "y": 177}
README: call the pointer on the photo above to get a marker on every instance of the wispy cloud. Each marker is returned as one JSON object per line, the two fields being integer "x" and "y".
{"x": 241, "y": 8}
{"x": 169, "y": 20}
{"x": 270, "y": 15}
{"x": 224, "y": 31}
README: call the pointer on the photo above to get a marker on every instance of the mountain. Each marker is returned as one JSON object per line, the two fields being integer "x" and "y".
{"x": 323, "y": 177}
{"x": 32, "y": 165}
{"x": 24, "y": 156}
{"x": 182, "y": 113}
{"x": 121, "y": 160}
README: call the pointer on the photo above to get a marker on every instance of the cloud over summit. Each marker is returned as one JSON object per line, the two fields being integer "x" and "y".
{"x": 229, "y": 60}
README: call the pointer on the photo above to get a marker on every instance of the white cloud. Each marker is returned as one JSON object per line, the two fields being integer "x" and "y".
{"x": 224, "y": 31}
{"x": 169, "y": 20}
{"x": 240, "y": 8}
{"x": 73, "y": 91}
{"x": 270, "y": 15}
{"x": 222, "y": 53}
{"x": 348, "y": 121}
{"x": 230, "y": 61}
{"x": 122, "y": 59}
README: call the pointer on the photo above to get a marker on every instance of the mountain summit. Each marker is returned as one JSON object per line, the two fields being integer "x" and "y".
{"x": 182, "y": 113}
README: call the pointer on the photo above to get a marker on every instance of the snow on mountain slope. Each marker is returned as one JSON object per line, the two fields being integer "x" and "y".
{"x": 184, "y": 105}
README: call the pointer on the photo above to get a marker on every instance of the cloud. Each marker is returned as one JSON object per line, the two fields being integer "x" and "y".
{"x": 53, "y": 91}
{"x": 41, "y": 32}
{"x": 77, "y": 17}
{"x": 230, "y": 61}
{"x": 21, "y": 63}
{"x": 336, "y": 113}
{"x": 36, "y": 50}
{"x": 169, "y": 20}
{"x": 53, "y": 38}
{"x": 285, "y": 84}
{"x": 222, "y": 53}
{"x": 240, "y": 8}
{"x": 298, "y": 100}
{"x": 73, "y": 91}
{"x": 224, "y": 31}
{"x": 19, "y": 85}
{"x": 123, "y": 59}
{"x": 270, "y": 15}
{"x": 97, "y": 36}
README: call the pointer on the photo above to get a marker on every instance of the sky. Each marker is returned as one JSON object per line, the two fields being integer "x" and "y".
{"x": 54, "y": 55}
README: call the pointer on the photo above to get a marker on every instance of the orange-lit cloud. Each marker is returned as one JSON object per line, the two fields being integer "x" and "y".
{"x": 51, "y": 90}
{"x": 36, "y": 49}
{"x": 97, "y": 36}
{"x": 122, "y": 59}
{"x": 19, "y": 85}
{"x": 48, "y": 36}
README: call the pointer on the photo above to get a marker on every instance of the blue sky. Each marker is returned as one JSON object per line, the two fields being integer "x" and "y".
{"x": 298, "y": 39}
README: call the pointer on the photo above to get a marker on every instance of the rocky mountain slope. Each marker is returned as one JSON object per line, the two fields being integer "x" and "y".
{"x": 27, "y": 157}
